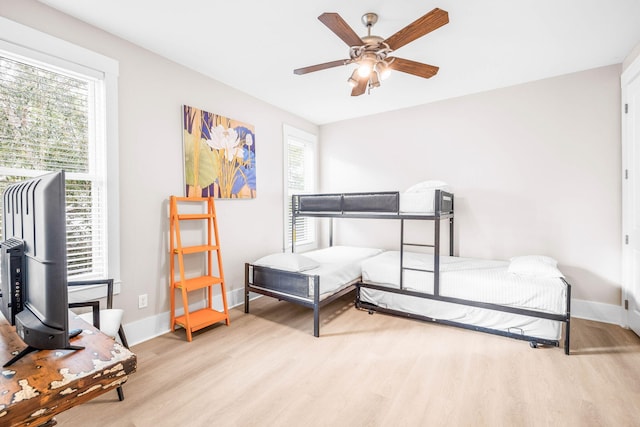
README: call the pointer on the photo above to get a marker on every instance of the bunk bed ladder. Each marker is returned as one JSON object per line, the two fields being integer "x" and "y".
{"x": 436, "y": 253}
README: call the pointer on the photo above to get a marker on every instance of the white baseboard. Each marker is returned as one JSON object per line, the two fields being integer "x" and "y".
{"x": 153, "y": 326}
{"x": 590, "y": 310}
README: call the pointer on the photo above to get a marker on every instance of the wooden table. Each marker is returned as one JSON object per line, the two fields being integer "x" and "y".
{"x": 44, "y": 383}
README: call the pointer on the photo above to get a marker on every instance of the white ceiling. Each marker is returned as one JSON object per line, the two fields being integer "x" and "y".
{"x": 254, "y": 45}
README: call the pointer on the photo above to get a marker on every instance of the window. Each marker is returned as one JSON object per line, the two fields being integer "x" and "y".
{"x": 54, "y": 115}
{"x": 300, "y": 178}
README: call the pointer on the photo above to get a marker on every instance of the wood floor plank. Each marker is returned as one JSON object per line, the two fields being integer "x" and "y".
{"x": 370, "y": 370}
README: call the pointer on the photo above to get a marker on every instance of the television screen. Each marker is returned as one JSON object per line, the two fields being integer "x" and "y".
{"x": 34, "y": 293}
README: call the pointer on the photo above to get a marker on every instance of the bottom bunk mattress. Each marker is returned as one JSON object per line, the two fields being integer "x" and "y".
{"x": 485, "y": 281}
{"x": 336, "y": 267}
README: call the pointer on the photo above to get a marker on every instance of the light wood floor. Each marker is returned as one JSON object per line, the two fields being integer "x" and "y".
{"x": 266, "y": 369}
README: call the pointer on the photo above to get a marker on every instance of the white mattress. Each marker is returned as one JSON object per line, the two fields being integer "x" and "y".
{"x": 471, "y": 279}
{"x": 338, "y": 267}
{"x": 417, "y": 202}
{"x": 420, "y": 198}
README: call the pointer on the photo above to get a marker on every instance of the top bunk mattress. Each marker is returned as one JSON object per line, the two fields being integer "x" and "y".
{"x": 468, "y": 278}
{"x": 422, "y": 198}
{"x": 420, "y": 203}
{"x": 337, "y": 266}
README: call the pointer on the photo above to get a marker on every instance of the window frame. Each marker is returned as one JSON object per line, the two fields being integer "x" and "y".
{"x": 290, "y": 132}
{"x": 27, "y": 42}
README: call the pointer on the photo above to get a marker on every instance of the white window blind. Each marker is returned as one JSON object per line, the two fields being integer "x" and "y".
{"x": 300, "y": 177}
{"x": 53, "y": 119}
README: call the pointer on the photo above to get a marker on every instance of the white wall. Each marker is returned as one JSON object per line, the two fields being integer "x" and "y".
{"x": 151, "y": 93}
{"x": 535, "y": 169}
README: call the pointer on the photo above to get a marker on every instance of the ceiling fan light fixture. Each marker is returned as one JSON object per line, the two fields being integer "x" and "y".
{"x": 383, "y": 70}
{"x": 353, "y": 80}
{"x": 365, "y": 67}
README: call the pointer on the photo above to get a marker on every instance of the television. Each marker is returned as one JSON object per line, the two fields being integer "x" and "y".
{"x": 34, "y": 262}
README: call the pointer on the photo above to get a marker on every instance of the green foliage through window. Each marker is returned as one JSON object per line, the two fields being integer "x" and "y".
{"x": 48, "y": 123}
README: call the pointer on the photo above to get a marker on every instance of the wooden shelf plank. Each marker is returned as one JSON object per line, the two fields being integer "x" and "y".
{"x": 201, "y": 319}
{"x": 195, "y": 216}
{"x": 196, "y": 249}
{"x": 198, "y": 283}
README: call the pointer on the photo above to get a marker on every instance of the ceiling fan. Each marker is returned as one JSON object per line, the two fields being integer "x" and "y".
{"x": 371, "y": 53}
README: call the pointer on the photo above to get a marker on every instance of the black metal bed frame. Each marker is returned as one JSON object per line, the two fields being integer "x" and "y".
{"x": 533, "y": 341}
{"x": 298, "y": 288}
{"x": 304, "y": 289}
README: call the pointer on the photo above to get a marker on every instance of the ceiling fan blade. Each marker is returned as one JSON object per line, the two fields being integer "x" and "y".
{"x": 319, "y": 67}
{"x": 418, "y": 28}
{"x": 412, "y": 67}
{"x": 361, "y": 87}
{"x": 341, "y": 28}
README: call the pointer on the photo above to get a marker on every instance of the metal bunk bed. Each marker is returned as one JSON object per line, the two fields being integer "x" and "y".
{"x": 302, "y": 288}
{"x": 386, "y": 205}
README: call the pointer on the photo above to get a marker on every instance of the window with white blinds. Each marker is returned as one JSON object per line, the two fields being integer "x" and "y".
{"x": 300, "y": 178}
{"x": 53, "y": 119}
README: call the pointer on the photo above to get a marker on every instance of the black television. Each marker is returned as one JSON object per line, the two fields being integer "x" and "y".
{"x": 34, "y": 262}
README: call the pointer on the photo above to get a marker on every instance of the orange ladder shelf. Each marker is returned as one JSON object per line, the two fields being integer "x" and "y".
{"x": 205, "y": 211}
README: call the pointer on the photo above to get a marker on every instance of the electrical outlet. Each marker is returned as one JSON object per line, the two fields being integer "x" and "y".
{"x": 143, "y": 301}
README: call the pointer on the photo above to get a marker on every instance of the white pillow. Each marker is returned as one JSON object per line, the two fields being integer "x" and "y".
{"x": 534, "y": 265}
{"x": 427, "y": 185}
{"x": 288, "y": 262}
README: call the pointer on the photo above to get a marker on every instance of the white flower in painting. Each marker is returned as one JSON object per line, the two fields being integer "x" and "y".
{"x": 238, "y": 152}
{"x": 224, "y": 139}
{"x": 248, "y": 140}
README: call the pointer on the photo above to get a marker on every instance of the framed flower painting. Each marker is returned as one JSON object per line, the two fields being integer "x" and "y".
{"x": 219, "y": 156}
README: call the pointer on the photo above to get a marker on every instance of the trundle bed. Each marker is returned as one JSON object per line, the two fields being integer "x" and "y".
{"x": 478, "y": 294}
{"x": 525, "y": 298}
